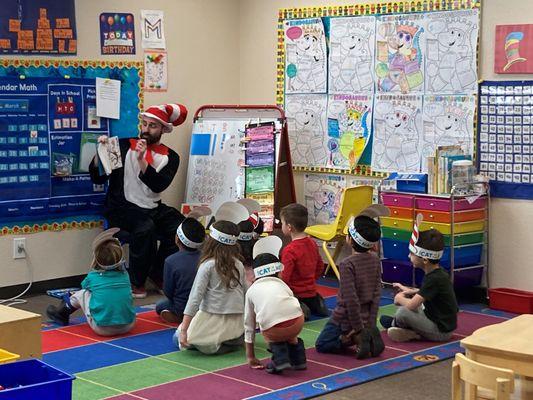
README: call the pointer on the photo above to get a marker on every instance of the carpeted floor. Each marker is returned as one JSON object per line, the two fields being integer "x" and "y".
{"x": 145, "y": 365}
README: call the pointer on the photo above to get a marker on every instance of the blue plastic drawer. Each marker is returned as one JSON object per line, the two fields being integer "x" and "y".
{"x": 34, "y": 379}
{"x": 463, "y": 255}
{"x": 396, "y": 249}
{"x": 397, "y": 271}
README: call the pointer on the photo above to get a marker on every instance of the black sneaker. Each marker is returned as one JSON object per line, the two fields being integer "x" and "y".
{"x": 376, "y": 342}
{"x": 363, "y": 349}
{"x": 386, "y": 321}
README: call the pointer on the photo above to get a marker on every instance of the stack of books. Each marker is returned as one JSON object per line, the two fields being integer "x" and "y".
{"x": 440, "y": 166}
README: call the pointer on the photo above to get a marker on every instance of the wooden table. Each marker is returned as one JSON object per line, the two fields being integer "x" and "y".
{"x": 506, "y": 345}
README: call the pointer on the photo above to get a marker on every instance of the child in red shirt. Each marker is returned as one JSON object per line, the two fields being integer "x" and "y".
{"x": 302, "y": 261}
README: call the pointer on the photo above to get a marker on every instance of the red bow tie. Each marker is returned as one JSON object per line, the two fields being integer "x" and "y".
{"x": 156, "y": 148}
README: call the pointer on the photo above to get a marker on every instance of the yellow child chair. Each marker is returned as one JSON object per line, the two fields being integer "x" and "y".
{"x": 495, "y": 383}
{"x": 353, "y": 201}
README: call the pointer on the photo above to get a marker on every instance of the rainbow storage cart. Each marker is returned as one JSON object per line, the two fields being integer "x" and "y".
{"x": 462, "y": 220}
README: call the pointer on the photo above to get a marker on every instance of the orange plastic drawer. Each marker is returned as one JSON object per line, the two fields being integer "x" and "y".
{"x": 446, "y": 217}
{"x": 399, "y": 212}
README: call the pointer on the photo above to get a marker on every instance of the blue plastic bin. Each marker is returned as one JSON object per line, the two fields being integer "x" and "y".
{"x": 463, "y": 255}
{"x": 34, "y": 379}
{"x": 397, "y": 271}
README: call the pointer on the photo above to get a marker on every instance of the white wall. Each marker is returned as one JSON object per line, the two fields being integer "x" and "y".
{"x": 203, "y": 49}
{"x": 223, "y": 51}
{"x": 510, "y": 236}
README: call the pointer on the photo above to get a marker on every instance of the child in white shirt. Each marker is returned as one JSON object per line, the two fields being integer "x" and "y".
{"x": 271, "y": 304}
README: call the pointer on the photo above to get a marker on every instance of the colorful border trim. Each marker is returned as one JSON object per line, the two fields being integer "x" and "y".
{"x": 347, "y": 11}
{"x": 52, "y": 226}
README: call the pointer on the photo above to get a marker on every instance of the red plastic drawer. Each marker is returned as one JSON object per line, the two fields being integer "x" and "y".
{"x": 399, "y": 212}
{"x": 446, "y": 217}
{"x": 397, "y": 200}
{"x": 512, "y": 300}
{"x": 436, "y": 204}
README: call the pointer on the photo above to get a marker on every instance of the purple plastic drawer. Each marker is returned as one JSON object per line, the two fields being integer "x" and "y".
{"x": 436, "y": 204}
{"x": 397, "y": 271}
{"x": 397, "y": 200}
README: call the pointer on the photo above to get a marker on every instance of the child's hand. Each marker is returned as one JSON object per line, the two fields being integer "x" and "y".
{"x": 399, "y": 287}
{"x": 254, "y": 363}
{"x": 183, "y": 340}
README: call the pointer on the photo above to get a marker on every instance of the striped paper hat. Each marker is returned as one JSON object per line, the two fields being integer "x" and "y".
{"x": 419, "y": 251}
{"x": 512, "y": 44}
{"x": 169, "y": 115}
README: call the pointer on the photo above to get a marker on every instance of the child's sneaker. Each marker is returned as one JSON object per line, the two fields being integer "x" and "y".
{"x": 138, "y": 292}
{"x": 297, "y": 355}
{"x": 402, "y": 335}
{"x": 280, "y": 358}
{"x": 386, "y": 321}
{"x": 376, "y": 342}
{"x": 363, "y": 348}
{"x": 170, "y": 317}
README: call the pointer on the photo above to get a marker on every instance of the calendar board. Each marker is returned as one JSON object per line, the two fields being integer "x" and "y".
{"x": 505, "y": 137}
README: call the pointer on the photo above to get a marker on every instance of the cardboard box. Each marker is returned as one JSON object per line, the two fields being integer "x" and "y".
{"x": 20, "y": 332}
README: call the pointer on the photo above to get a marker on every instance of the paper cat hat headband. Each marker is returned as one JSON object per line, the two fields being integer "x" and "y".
{"x": 419, "y": 251}
{"x": 232, "y": 212}
{"x": 270, "y": 245}
{"x": 197, "y": 212}
{"x": 373, "y": 211}
{"x": 106, "y": 236}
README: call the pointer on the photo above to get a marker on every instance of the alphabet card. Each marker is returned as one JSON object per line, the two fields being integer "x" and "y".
{"x": 152, "y": 29}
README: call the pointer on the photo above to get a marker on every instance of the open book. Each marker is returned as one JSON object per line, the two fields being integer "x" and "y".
{"x": 109, "y": 155}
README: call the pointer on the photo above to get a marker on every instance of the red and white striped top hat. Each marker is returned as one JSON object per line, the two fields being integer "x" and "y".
{"x": 169, "y": 115}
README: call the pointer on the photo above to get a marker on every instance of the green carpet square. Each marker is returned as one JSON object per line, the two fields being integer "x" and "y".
{"x": 139, "y": 374}
{"x": 215, "y": 361}
{"x": 83, "y": 390}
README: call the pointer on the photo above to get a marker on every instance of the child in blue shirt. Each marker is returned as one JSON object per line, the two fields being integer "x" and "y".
{"x": 105, "y": 297}
{"x": 180, "y": 270}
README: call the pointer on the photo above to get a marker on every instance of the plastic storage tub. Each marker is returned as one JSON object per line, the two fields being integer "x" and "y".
{"x": 395, "y": 249}
{"x": 6, "y": 356}
{"x": 446, "y": 217}
{"x": 397, "y": 271}
{"x": 463, "y": 255}
{"x": 399, "y": 212}
{"x": 34, "y": 379}
{"x": 512, "y": 300}
{"x": 397, "y": 200}
{"x": 439, "y": 204}
{"x": 399, "y": 223}
{"x": 397, "y": 234}
{"x": 461, "y": 227}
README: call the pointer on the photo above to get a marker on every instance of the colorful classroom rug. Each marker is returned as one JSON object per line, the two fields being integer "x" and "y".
{"x": 144, "y": 364}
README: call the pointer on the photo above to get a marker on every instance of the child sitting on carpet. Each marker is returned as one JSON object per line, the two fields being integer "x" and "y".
{"x": 301, "y": 260}
{"x": 180, "y": 270}
{"x": 105, "y": 297}
{"x": 271, "y": 304}
{"x": 213, "y": 317}
{"x": 354, "y": 318}
{"x": 431, "y": 311}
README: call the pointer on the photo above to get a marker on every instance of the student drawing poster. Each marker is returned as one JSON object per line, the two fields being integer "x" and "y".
{"x": 451, "y": 52}
{"x": 38, "y": 27}
{"x": 153, "y": 29}
{"x": 307, "y": 122}
{"x": 323, "y": 197}
{"x": 117, "y": 33}
{"x": 397, "y": 133}
{"x": 400, "y": 53}
{"x": 351, "y": 55}
{"x": 305, "y": 56}
{"x": 447, "y": 121}
{"x": 513, "y": 51}
{"x": 349, "y": 126}
{"x": 155, "y": 71}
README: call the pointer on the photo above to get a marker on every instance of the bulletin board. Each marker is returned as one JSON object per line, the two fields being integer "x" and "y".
{"x": 369, "y": 89}
{"x": 505, "y": 142}
{"x": 48, "y": 134}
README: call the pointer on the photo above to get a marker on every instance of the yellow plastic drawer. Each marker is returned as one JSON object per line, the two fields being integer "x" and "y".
{"x": 462, "y": 227}
{"x": 399, "y": 223}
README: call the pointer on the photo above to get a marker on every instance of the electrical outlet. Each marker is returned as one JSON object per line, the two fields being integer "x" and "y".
{"x": 19, "y": 248}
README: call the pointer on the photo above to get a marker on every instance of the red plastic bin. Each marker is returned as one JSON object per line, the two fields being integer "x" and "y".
{"x": 511, "y": 300}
